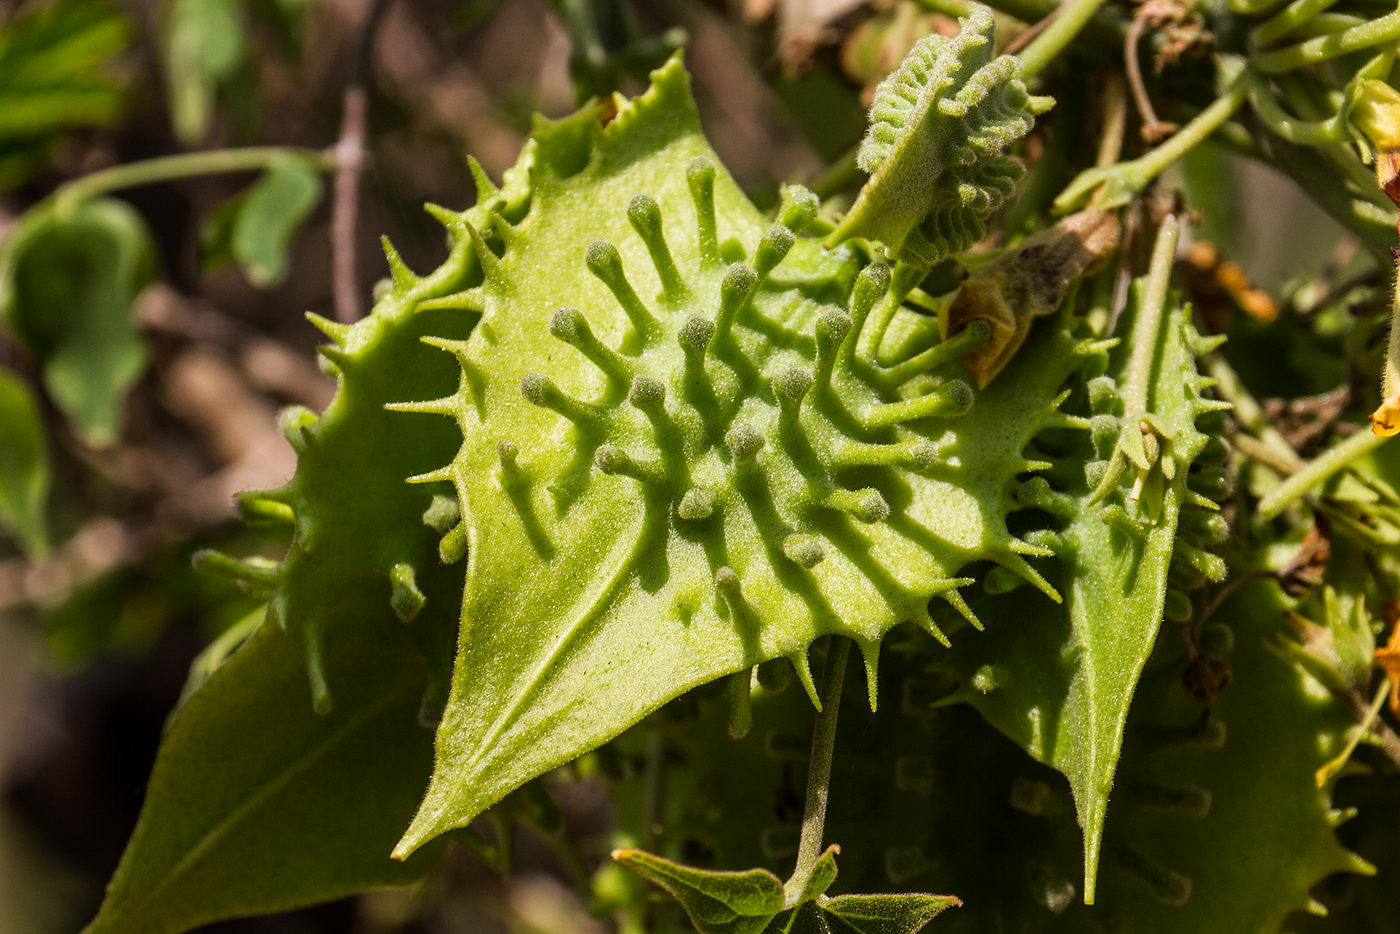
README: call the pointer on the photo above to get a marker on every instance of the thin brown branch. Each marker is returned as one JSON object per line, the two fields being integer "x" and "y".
{"x": 1035, "y": 29}
{"x": 1153, "y": 129}
{"x": 350, "y": 159}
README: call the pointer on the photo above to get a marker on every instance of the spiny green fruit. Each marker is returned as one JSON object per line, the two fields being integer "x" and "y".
{"x": 678, "y": 461}
{"x": 940, "y": 126}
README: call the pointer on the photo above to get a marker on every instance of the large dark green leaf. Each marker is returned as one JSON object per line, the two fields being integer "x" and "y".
{"x": 24, "y": 464}
{"x": 67, "y": 281}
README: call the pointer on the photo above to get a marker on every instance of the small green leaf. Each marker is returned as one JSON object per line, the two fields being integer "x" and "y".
{"x": 884, "y": 914}
{"x": 819, "y": 880}
{"x": 67, "y": 282}
{"x": 257, "y": 804}
{"x": 269, "y": 216}
{"x": 205, "y": 43}
{"x": 718, "y": 902}
{"x": 24, "y": 465}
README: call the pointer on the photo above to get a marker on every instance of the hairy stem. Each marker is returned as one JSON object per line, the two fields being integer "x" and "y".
{"x": 1385, "y": 421}
{"x": 1323, "y": 48}
{"x": 184, "y": 165}
{"x": 809, "y": 847}
{"x": 1317, "y": 470}
{"x": 1149, "y": 323}
{"x": 1071, "y": 17}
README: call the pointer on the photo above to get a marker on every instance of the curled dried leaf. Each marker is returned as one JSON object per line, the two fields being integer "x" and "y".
{"x": 1027, "y": 282}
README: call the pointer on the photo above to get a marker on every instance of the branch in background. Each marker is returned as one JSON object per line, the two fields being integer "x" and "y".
{"x": 1153, "y": 129}
{"x": 350, "y": 158}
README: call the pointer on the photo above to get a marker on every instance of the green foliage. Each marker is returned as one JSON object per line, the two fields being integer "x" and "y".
{"x": 939, "y": 126}
{"x": 717, "y": 902}
{"x": 206, "y": 43}
{"x": 1062, "y": 683}
{"x": 1225, "y": 829}
{"x": 67, "y": 281}
{"x": 268, "y": 217}
{"x": 689, "y": 501}
{"x": 25, "y": 472}
{"x": 258, "y": 804}
{"x": 55, "y": 76}
{"x": 690, "y": 446}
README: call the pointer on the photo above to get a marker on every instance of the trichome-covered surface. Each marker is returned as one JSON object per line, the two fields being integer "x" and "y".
{"x": 678, "y": 461}
{"x": 940, "y": 126}
{"x": 1060, "y": 682}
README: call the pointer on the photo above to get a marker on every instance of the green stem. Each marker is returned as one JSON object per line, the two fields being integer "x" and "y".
{"x": 1305, "y": 132}
{"x": 843, "y": 173}
{"x": 1127, "y": 179}
{"x": 1326, "y": 24}
{"x": 809, "y": 847}
{"x": 1317, "y": 470}
{"x": 954, "y": 8}
{"x": 184, "y": 165}
{"x": 1286, "y": 20}
{"x": 1390, "y": 370}
{"x": 1323, "y": 48}
{"x": 1194, "y": 133}
{"x": 1250, "y": 415}
{"x": 1149, "y": 323}
{"x": 1251, "y": 7}
{"x": 1074, "y": 15}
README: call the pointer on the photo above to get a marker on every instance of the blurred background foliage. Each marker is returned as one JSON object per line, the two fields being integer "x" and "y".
{"x": 151, "y": 332}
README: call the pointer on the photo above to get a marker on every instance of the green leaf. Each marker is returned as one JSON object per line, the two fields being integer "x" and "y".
{"x": 718, "y": 902}
{"x": 707, "y": 471}
{"x": 1222, "y": 827}
{"x": 940, "y": 125}
{"x": 1061, "y": 683}
{"x": 257, "y": 804}
{"x": 25, "y": 472}
{"x": 67, "y": 282}
{"x": 205, "y": 43}
{"x": 270, "y": 215}
{"x": 884, "y": 914}
{"x": 819, "y": 880}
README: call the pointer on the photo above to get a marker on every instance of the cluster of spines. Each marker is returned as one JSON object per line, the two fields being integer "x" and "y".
{"x": 347, "y": 356}
{"x": 688, "y": 414}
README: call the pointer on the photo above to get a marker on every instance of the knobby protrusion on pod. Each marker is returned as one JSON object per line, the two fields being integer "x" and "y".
{"x": 603, "y": 260}
{"x": 645, "y": 216}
